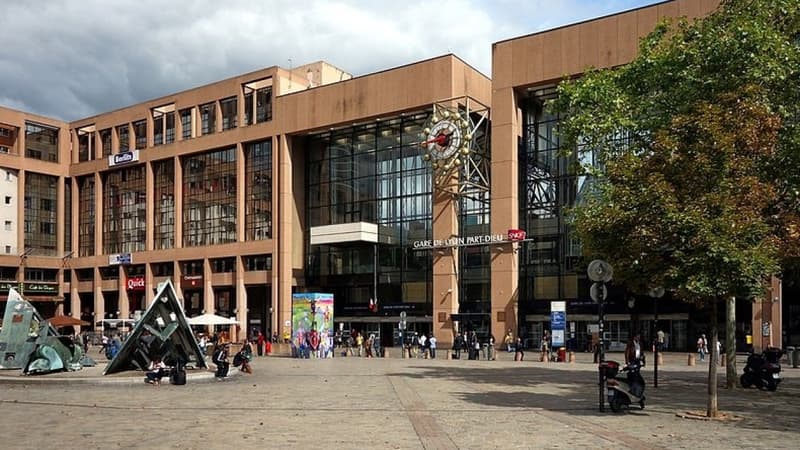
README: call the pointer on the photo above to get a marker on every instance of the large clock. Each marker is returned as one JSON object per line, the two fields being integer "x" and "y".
{"x": 444, "y": 139}
{"x": 447, "y": 139}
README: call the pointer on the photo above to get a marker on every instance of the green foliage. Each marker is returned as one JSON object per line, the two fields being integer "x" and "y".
{"x": 698, "y": 147}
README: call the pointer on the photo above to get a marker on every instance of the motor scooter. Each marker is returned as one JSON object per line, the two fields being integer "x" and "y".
{"x": 764, "y": 370}
{"x": 624, "y": 391}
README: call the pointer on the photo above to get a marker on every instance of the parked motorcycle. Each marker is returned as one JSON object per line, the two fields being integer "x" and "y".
{"x": 622, "y": 392}
{"x": 764, "y": 370}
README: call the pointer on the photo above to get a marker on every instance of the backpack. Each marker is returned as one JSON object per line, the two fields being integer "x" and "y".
{"x": 238, "y": 359}
{"x": 217, "y": 356}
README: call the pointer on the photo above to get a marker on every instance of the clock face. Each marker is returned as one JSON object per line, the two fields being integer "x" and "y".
{"x": 444, "y": 139}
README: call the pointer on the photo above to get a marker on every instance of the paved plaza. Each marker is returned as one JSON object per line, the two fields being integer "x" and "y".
{"x": 391, "y": 403}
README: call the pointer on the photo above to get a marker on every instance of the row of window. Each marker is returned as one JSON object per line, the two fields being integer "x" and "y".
{"x": 194, "y": 121}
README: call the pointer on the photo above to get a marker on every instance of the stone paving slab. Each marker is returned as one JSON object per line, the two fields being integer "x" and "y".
{"x": 355, "y": 403}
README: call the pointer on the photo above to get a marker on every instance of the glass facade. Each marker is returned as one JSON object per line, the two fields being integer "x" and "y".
{"x": 85, "y": 146}
{"x": 208, "y": 118}
{"x": 67, "y": 215}
{"x": 228, "y": 108}
{"x": 209, "y": 198}
{"x": 86, "y": 216}
{"x": 105, "y": 141}
{"x": 123, "y": 134}
{"x": 186, "y": 123}
{"x": 372, "y": 173}
{"x": 140, "y": 132}
{"x": 41, "y": 142}
{"x": 41, "y": 199}
{"x": 164, "y": 211}
{"x": 124, "y": 221}
{"x": 258, "y": 170}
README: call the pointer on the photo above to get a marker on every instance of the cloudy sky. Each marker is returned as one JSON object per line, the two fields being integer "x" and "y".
{"x": 71, "y": 59}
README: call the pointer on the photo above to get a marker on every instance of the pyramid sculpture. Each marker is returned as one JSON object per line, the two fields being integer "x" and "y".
{"x": 164, "y": 332}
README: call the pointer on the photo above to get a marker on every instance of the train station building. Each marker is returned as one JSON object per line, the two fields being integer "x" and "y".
{"x": 429, "y": 189}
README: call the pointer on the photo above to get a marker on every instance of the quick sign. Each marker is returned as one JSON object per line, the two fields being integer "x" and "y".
{"x": 123, "y": 158}
{"x": 136, "y": 283}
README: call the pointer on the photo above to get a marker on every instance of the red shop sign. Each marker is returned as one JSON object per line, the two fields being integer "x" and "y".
{"x": 516, "y": 235}
{"x": 136, "y": 283}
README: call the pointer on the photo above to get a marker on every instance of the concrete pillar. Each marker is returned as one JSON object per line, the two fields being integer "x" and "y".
{"x": 240, "y": 192}
{"x": 98, "y": 218}
{"x": 241, "y": 301}
{"x": 445, "y": 265}
{"x": 150, "y": 206}
{"x": 99, "y": 300}
{"x": 149, "y": 286}
{"x": 283, "y": 266}
{"x": 505, "y": 210}
{"x": 124, "y": 305}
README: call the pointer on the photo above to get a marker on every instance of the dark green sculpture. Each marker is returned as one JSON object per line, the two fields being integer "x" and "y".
{"x": 161, "y": 332}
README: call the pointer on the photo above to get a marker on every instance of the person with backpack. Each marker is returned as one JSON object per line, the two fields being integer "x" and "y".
{"x": 242, "y": 358}
{"x": 220, "y": 358}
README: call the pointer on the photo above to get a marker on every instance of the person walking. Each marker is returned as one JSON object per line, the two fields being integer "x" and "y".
{"x": 423, "y": 346}
{"x": 432, "y": 346}
{"x": 633, "y": 350}
{"x": 458, "y": 343}
{"x": 360, "y": 343}
{"x": 490, "y": 356}
{"x": 545, "y": 346}
{"x": 702, "y": 347}
{"x": 260, "y": 342}
{"x": 519, "y": 353}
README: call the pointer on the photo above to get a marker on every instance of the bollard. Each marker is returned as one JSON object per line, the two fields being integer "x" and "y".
{"x": 572, "y": 357}
{"x": 448, "y": 355}
{"x": 691, "y": 359}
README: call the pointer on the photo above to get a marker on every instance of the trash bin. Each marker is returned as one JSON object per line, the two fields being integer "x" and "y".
{"x": 790, "y": 351}
{"x": 796, "y": 358}
{"x": 562, "y": 354}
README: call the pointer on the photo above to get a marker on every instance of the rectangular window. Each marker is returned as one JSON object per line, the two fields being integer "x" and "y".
{"x": 164, "y": 211}
{"x": 123, "y": 137}
{"x": 228, "y": 108}
{"x": 124, "y": 215}
{"x": 8, "y": 199}
{"x": 5, "y": 132}
{"x": 208, "y": 118}
{"x": 166, "y": 269}
{"x": 264, "y": 104}
{"x": 8, "y": 225}
{"x": 140, "y": 132}
{"x": 258, "y": 183}
{"x": 158, "y": 129}
{"x": 209, "y": 198}
{"x": 248, "y": 106}
{"x": 186, "y": 123}
{"x": 223, "y": 265}
{"x": 41, "y": 198}
{"x": 105, "y": 140}
{"x": 4, "y": 149}
{"x": 189, "y": 268}
{"x": 86, "y": 215}
{"x": 257, "y": 262}
{"x": 169, "y": 127}
{"x": 8, "y": 249}
{"x": 41, "y": 142}
{"x": 85, "y": 145}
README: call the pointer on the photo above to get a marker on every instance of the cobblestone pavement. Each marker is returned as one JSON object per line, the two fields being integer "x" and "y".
{"x": 355, "y": 403}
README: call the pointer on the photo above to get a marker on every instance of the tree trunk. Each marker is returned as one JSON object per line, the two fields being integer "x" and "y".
{"x": 730, "y": 343}
{"x": 712, "y": 409}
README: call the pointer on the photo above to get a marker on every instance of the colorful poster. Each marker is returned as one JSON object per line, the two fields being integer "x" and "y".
{"x": 312, "y": 324}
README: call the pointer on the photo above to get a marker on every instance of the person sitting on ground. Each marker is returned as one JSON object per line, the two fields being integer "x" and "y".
{"x": 243, "y": 357}
{"x": 220, "y": 358}
{"x": 155, "y": 371}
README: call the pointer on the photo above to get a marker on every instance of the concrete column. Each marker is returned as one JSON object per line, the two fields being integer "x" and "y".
{"x": 505, "y": 210}
{"x": 445, "y": 264}
{"x": 241, "y": 301}
{"x": 208, "y": 288}
{"x": 283, "y": 266}
{"x": 99, "y": 300}
{"x": 149, "y": 286}
{"x": 124, "y": 303}
{"x": 240, "y": 107}
{"x": 275, "y": 319}
{"x": 114, "y": 140}
{"x": 176, "y": 280}
{"x": 150, "y": 127}
{"x": 75, "y": 299}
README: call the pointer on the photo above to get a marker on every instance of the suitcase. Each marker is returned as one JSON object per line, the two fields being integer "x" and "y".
{"x": 178, "y": 377}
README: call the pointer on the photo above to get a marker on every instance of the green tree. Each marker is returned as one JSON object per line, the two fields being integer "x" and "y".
{"x": 696, "y": 148}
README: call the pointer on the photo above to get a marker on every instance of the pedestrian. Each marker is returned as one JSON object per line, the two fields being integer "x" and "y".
{"x": 370, "y": 344}
{"x": 458, "y": 344}
{"x": 360, "y": 344}
{"x": 103, "y": 344}
{"x": 220, "y": 358}
{"x": 719, "y": 351}
{"x": 519, "y": 353}
{"x": 545, "y": 347}
{"x": 633, "y": 350}
{"x": 260, "y": 342}
{"x": 702, "y": 347}
{"x": 314, "y": 341}
{"x": 423, "y": 345}
{"x": 414, "y": 346}
{"x": 476, "y": 346}
{"x": 490, "y": 356}
{"x": 432, "y": 346}
{"x": 660, "y": 339}
{"x": 509, "y": 340}
{"x": 243, "y": 357}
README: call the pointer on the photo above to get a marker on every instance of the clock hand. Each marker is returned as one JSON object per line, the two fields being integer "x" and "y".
{"x": 442, "y": 140}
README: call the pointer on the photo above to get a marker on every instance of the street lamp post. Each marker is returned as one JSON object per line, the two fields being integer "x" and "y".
{"x": 600, "y": 272}
{"x": 656, "y": 293}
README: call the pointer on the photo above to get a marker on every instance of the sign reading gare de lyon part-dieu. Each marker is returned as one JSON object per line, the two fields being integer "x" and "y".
{"x": 513, "y": 235}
